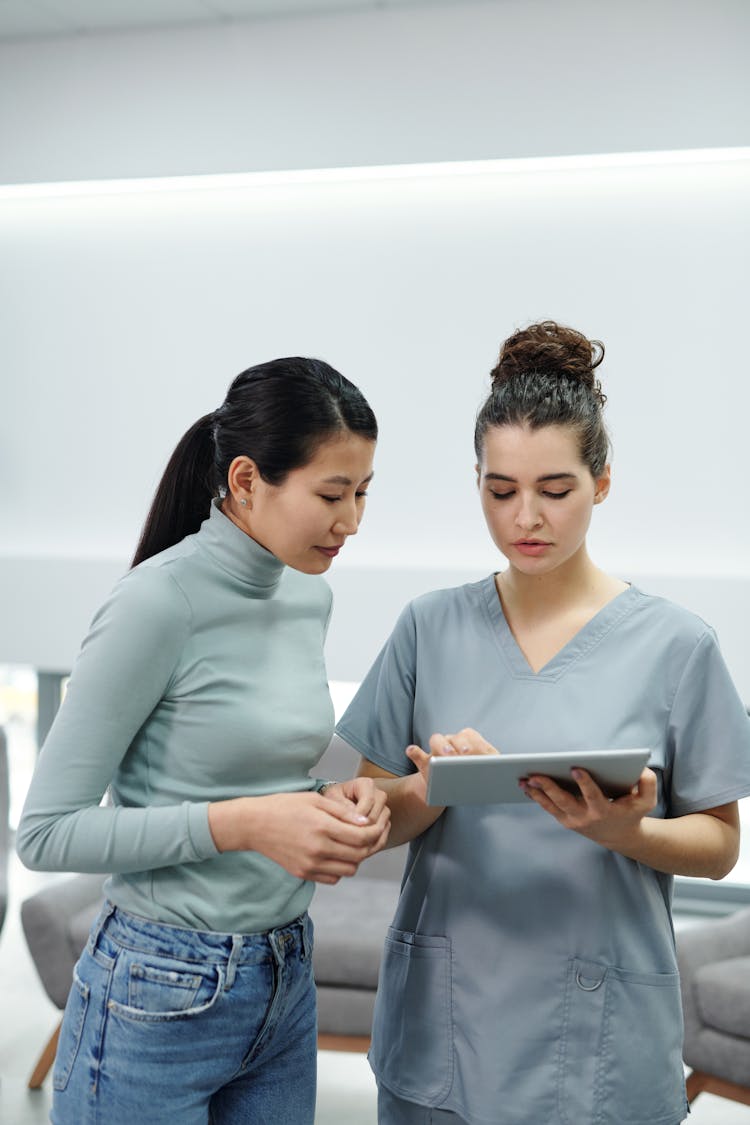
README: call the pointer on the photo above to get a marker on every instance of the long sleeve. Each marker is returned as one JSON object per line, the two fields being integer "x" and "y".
{"x": 123, "y": 671}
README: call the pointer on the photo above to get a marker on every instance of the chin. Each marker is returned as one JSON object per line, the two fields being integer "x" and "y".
{"x": 313, "y": 566}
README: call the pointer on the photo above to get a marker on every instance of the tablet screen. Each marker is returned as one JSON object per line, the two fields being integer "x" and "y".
{"x": 465, "y": 779}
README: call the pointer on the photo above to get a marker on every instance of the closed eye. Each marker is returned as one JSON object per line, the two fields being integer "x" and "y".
{"x": 551, "y": 495}
{"x": 336, "y": 499}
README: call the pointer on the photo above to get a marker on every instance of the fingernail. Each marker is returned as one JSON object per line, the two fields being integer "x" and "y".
{"x": 361, "y": 820}
{"x": 577, "y": 773}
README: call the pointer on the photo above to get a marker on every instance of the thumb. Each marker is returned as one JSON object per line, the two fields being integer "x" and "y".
{"x": 417, "y": 755}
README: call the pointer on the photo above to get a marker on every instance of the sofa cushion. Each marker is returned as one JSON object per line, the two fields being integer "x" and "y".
{"x": 723, "y": 995}
{"x": 351, "y": 919}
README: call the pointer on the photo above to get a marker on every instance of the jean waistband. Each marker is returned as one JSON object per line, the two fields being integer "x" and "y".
{"x": 229, "y": 950}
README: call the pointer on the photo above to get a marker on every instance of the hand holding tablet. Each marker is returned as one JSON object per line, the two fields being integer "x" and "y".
{"x": 493, "y": 779}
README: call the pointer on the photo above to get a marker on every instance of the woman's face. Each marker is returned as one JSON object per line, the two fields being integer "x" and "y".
{"x": 306, "y": 520}
{"x": 537, "y": 495}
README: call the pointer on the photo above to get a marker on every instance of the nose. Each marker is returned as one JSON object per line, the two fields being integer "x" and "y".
{"x": 347, "y": 519}
{"x": 528, "y": 516}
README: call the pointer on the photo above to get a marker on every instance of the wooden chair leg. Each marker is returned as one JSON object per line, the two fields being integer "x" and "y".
{"x": 701, "y": 1083}
{"x": 695, "y": 1084}
{"x": 344, "y": 1043}
{"x": 45, "y": 1060}
{"x": 723, "y": 1089}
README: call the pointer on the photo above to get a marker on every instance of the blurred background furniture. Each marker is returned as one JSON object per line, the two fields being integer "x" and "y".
{"x": 4, "y": 826}
{"x": 56, "y": 922}
{"x": 350, "y": 922}
{"x": 714, "y": 961}
{"x": 351, "y": 919}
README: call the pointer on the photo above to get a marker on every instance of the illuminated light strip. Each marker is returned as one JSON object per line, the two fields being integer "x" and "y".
{"x": 234, "y": 180}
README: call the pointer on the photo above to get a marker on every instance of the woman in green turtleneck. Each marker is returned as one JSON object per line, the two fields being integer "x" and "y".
{"x": 200, "y": 700}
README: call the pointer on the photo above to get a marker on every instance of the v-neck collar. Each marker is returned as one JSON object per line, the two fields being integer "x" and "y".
{"x": 579, "y": 645}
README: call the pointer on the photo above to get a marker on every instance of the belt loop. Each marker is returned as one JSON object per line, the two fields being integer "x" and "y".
{"x": 277, "y": 947}
{"x": 105, "y": 914}
{"x": 234, "y": 957}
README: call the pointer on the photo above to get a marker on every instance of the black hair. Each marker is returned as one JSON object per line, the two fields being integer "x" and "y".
{"x": 544, "y": 376}
{"x": 277, "y": 413}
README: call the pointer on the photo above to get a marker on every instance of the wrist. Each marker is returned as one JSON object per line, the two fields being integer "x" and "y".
{"x": 631, "y": 841}
{"x": 233, "y": 823}
{"x": 414, "y": 787}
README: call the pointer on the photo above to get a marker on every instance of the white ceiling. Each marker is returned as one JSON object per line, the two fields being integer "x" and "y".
{"x": 29, "y": 19}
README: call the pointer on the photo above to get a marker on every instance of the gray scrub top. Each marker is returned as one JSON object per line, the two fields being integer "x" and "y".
{"x": 530, "y": 976}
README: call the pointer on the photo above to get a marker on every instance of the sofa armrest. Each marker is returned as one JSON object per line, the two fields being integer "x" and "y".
{"x": 714, "y": 941}
{"x": 48, "y": 924}
{"x": 702, "y": 945}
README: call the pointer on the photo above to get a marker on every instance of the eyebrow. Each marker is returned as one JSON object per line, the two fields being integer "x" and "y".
{"x": 539, "y": 480}
{"x": 346, "y": 480}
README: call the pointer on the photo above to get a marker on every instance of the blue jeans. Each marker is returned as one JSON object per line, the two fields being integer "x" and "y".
{"x": 170, "y": 1025}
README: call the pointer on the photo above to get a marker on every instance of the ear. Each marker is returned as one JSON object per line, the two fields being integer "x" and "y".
{"x": 242, "y": 479}
{"x": 478, "y": 471}
{"x": 601, "y": 485}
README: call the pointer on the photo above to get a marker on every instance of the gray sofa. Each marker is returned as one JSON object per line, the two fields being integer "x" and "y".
{"x": 350, "y": 921}
{"x": 714, "y": 961}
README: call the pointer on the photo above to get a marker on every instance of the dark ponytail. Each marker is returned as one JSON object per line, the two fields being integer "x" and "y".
{"x": 278, "y": 414}
{"x": 545, "y": 376}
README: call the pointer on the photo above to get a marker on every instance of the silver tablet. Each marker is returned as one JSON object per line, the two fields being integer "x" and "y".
{"x": 487, "y": 779}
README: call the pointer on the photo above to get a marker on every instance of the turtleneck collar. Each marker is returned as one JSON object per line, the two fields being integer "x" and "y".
{"x": 238, "y": 554}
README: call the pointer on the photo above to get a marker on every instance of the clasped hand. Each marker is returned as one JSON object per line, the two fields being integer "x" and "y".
{"x": 323, "y": 837}
{"x": 315, "y": 836}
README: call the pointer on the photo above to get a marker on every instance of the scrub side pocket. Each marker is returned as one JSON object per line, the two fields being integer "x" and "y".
{"x": 645, "y": 1079}
{"x": 412, "y": 1036}
{"x": 620, "y": 1055}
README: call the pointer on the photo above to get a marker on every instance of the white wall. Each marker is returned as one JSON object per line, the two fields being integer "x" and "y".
{"x": 445, "y": 82}
{"x": 125, "y": 317}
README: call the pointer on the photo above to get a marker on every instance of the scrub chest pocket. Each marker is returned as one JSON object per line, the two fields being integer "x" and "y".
{"x": 611, "y": 1018}
{"x": 412, "y": 1052}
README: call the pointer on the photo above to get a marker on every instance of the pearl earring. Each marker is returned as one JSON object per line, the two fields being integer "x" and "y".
{"x": 243, "y": 502}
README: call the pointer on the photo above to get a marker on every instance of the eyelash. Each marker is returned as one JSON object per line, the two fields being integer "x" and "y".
{"x": 550, "y": 495}
{"x": 335, "y": 499}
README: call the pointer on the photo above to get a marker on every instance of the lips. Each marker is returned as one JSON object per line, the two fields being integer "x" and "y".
{"x": 329, "y": 552}
{"x": 531, "y": 547}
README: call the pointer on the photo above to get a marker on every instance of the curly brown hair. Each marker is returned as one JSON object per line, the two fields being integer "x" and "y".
{"x": 545, "y": 376}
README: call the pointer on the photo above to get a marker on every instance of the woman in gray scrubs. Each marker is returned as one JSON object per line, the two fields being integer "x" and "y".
{"x": 529, "y": 976}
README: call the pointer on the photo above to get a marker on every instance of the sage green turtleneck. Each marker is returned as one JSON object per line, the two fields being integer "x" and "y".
{"x": 202, "y": 678}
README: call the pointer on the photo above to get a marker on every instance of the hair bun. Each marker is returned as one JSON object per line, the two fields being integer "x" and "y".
{"x": 550, "y": 349}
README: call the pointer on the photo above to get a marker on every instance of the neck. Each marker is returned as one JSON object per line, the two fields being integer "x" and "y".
{"x": 577, "y": 581}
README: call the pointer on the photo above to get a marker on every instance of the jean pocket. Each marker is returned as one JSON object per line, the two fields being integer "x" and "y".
{"x": 412, "y": 1037}
{"x": 158, "y": 992}
{"x": 72, "y": 1031}
{"x": 620, "y": 1050}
